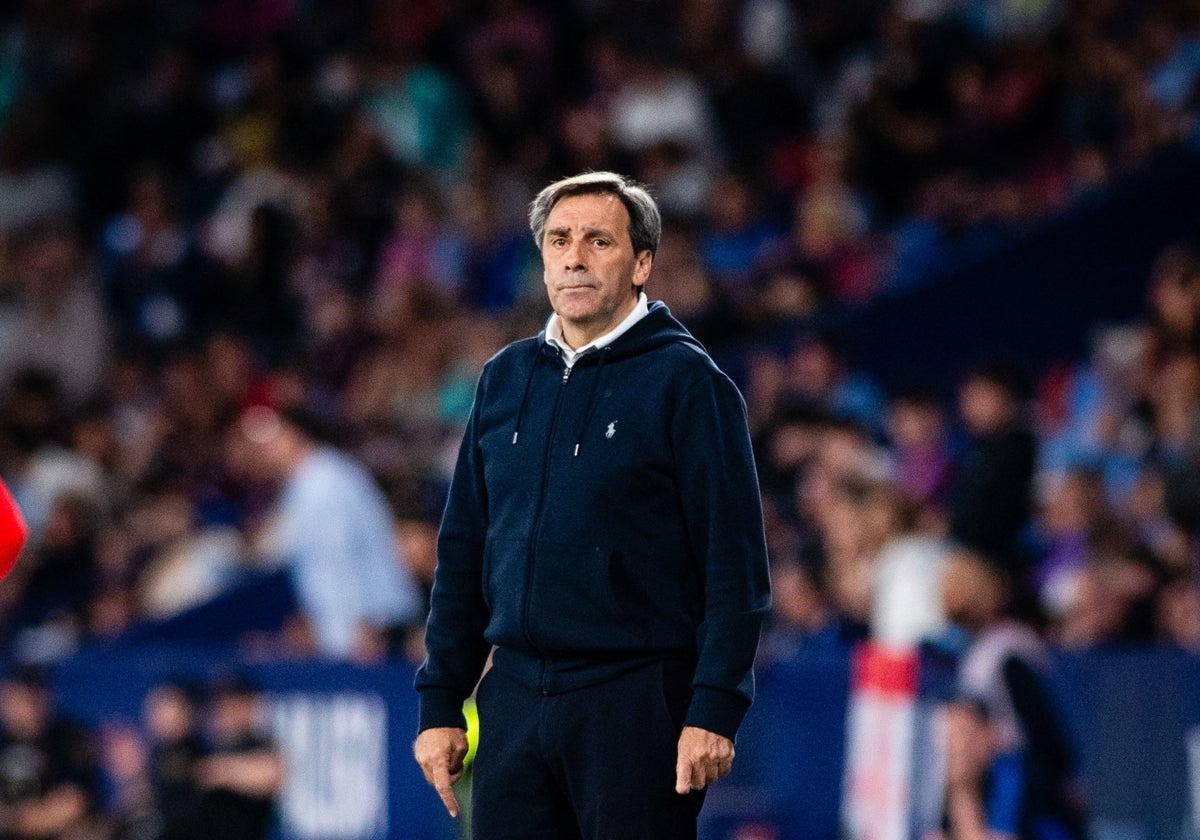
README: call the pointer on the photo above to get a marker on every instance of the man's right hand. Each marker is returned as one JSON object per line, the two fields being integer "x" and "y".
{"x": 440, "y": 752}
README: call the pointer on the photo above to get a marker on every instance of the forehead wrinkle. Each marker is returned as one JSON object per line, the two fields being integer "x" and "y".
{"x": 590, "y": 230}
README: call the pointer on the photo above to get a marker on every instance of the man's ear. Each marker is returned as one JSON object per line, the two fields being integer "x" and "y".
{"x": 641, "y": 269}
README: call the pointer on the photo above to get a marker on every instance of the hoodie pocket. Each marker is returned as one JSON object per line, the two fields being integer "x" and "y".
{"x": 505, "y": 571}
{"x": 573, "y": 606}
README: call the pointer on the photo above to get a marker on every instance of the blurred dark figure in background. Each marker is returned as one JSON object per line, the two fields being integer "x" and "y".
{"x": 992, "y": 497}
{"x": 924, "y": 468}
{"x": 131, "y": 811}
{"x": 240, "y": 777}
{"x": 176, "y": 749}
{"x": 48, "y": 770}
{"x": 1008, "y": 764}
{"x": 804, "y": 614}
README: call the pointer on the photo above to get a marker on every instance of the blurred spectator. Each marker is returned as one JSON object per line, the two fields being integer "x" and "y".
{"x": 1179, "y": 613}
{"x": 920, "y": 447}
{"x": 172, "y": 724}
{"x": 258, "y": 301}
{"x": 152, "y": 274}
{"x": 41, "y": 468}
{"x": 240, "y": 774}
{"x": 661, "y": 115}
{"x": 1115, "y": 598}
{"x": 396, "y": 383}
{"x": 787, "y": 448}
{"x": 418, "y": 505}
{"x": 334, "y": 535}
{"x": 56, "y": 582}
{"x": 1071, "y": 519}
{"x": 419, "y": 111}
{"x": 57, "y": 324}
{"x": 818, "y": 370}
{"x": 716, "y": 315}
{"x": 828, "y": 229}
{"x": 804, "y": 618}
{"x": 845, "y": 462}
{"x": 421, "y": 250}
{"x": 992, "y": 493}
{"x": 132, "y": 811}
{"x": 35, "y": 187}
{"x": 1099, "y": 413}
{"x": 48, "y": 770}
{"x": 1174, "y": 317}
{"x": 500, "y": 260}
{"x": 1008, "y": 761}
{"x": 738, "y": 235}
{"x": 861, "y": 518}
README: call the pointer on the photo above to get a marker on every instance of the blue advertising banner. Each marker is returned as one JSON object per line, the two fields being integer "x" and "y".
{"x": 345, "y": 733}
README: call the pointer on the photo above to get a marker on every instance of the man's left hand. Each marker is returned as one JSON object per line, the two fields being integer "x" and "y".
{"x": 703, "y": 757}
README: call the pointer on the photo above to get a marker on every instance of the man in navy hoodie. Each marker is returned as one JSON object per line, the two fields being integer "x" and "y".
{"x": 603, "y": 536}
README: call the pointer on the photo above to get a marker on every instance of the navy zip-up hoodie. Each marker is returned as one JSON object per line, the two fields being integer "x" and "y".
{"x": 601, "y": 518}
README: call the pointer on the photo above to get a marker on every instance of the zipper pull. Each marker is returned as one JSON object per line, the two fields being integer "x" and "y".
{"x": 566, "y": 374}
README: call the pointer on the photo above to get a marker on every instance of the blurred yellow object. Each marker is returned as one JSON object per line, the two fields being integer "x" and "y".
{"x": 472, "y": 715}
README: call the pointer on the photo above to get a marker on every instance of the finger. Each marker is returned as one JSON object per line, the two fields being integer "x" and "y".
{"x": 683, "y": 775}
{"x": 441, "y": 783}
{"x": 699, "y": 775}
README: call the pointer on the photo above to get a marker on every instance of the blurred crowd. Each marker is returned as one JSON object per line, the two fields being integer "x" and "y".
{"x": 1081, "y": 485}
{"x": 196, "y": 764}
{"x": 236, "y": 237}
{"x": 320, "y": 208}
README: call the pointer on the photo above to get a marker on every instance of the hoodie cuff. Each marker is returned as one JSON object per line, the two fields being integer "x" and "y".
{"x": 716, "y": 711}
{"x": 440, "y": 707}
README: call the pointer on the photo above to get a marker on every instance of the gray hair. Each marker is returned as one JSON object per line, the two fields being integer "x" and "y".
{"x": 645, "y": 222}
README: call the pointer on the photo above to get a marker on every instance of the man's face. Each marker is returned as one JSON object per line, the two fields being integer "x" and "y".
{"x": 24, "y": 709}
{"x": 590, "y": 267}
{"x": 256, "y": 446}
{"x": 169, "y": 714}
{"x": 985, "y": 407}
{"x": 971, "y": 594}
{"x": 234, "y": 714}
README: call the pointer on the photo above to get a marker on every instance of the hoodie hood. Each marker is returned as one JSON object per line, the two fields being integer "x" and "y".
{"x": 659, "y": 327}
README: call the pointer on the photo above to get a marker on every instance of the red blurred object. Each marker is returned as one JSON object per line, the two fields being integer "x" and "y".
{"x": 12, "y": 531}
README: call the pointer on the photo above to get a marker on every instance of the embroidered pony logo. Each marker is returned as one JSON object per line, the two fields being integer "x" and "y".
{"x": 612, "y": 429}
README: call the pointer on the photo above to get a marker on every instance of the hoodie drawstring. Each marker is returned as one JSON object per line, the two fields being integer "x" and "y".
{"x": 525, "y": 395}
{"x": 587, "y": 407}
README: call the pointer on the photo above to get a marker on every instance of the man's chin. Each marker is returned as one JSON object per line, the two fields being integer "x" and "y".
{"x": 576, "y": 315}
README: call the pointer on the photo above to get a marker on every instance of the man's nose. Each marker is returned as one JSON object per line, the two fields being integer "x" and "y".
{"x": 573, "y": 257}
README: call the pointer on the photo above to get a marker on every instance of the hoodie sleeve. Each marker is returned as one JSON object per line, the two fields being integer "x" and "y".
{"x": 458, "y": 615}
{"x": 723, "y": 512}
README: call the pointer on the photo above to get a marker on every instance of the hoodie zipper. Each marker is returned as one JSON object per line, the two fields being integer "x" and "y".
{"x": 537, "y": 518}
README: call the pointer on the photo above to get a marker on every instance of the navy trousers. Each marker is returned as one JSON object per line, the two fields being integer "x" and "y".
{"x": 597, "y": 763}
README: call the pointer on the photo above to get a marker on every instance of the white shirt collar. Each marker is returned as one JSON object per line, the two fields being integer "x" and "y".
{"x": 554, "y": 336}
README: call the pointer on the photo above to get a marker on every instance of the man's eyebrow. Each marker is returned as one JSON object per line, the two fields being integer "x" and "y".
{"x": 590, "y": 231}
